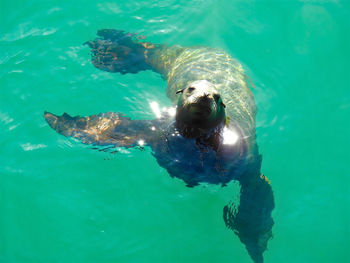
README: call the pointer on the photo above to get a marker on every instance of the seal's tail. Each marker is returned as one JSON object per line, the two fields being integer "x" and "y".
{"x": 118, "y": 51}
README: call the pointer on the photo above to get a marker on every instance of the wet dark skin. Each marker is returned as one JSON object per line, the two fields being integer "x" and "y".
{"x": 190, "y": 145}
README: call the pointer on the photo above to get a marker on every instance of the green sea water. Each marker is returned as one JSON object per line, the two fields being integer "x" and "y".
{"x": 61, "y": 201}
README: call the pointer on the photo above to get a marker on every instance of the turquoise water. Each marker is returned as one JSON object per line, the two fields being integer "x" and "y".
{"x": 61, "y": 201}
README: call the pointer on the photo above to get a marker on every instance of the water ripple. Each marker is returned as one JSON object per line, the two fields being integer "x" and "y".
{"x": 109, "y": 8}
{"x": 24, "y": 31}
{"x": 30, "y": 147}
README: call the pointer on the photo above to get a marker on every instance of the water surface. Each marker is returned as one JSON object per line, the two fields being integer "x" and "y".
{"x": 61, "y": 201}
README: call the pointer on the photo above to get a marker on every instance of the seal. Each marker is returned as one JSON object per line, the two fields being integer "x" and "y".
{"x": 209, "y": 135}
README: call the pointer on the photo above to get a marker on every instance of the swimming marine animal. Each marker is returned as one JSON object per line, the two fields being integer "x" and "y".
{"x": 208, "y": 138}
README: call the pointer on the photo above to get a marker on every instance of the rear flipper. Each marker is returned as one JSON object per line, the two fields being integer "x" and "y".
{"x": 103, "y": 129}
{"x": 118, "y": 51}
{"x": 252, "y": 221}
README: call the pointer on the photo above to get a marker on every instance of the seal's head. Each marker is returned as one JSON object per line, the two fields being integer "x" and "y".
{"x": 200, "y": 109}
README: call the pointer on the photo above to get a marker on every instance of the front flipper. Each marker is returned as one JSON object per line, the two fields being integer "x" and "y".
{"x": 103, "y": 129}
{"x": 118, "y": 51}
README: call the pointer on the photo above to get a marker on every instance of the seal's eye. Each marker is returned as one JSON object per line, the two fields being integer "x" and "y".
{"x": 190, "y": 89}
{"x": 216, "y": 97}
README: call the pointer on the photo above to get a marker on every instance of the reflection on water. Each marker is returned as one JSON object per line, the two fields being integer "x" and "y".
{"x": 155, "y": 108}
{"x": 229, "y": 136}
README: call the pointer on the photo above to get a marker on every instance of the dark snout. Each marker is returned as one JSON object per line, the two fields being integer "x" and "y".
{"x": 201, "y": 107}
{"x": 199, "y": 110}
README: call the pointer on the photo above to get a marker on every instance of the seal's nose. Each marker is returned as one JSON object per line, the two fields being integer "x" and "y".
{"x": 201, "y": 107}
{"x": 205, "y": 99}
